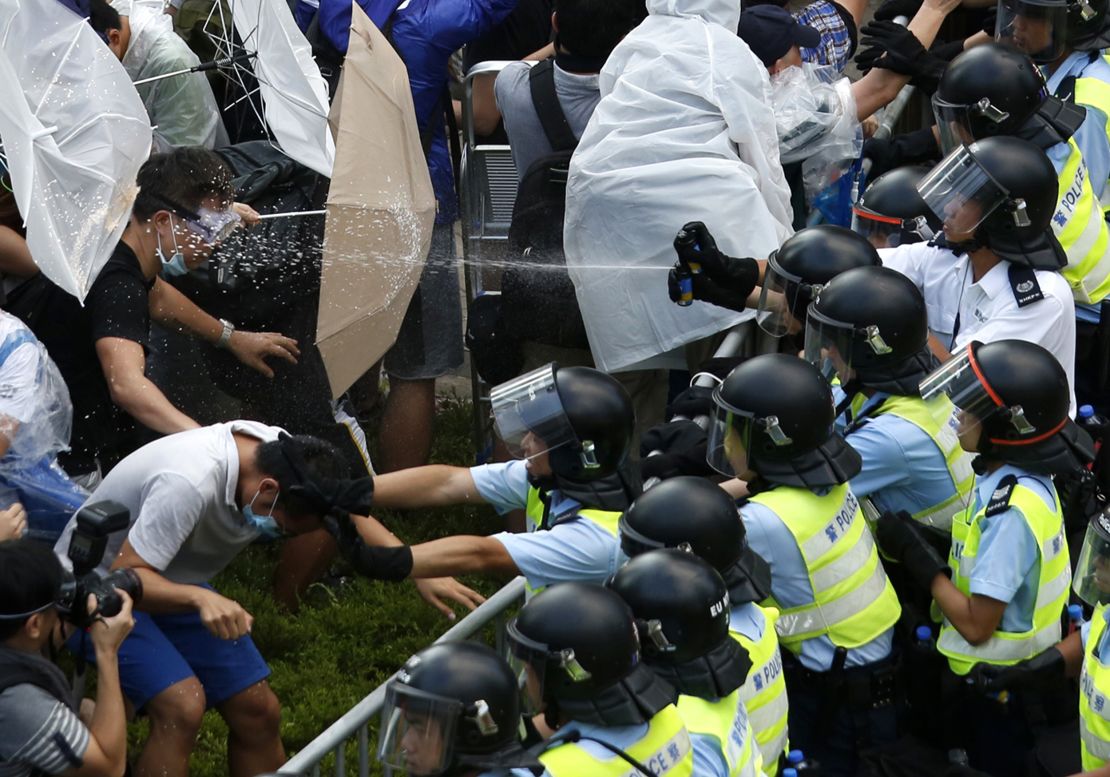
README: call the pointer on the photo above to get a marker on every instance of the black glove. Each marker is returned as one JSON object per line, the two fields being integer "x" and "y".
{"x": 891, "y": 9}
{"x": 692, "y": 402}
{"x": 683, "y": 445}
{"x": 377, "y": 563}
{"x": 1043, "y": 671}
{"x": 908, "y": 149}
{"x": 893, "y": 47}
{"x": 901, "y": 539}
{"x": 724, "y": 281}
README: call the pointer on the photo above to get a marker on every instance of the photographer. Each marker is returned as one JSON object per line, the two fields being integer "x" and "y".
{"x": 40, "y": 732}
{"x": 196, "y": 499}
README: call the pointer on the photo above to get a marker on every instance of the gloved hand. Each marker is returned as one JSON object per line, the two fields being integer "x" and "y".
{"x": 692, "y": 402}
{"x": 891, "y": 9}
{"x": 1042, "y": 671}
{"x": 683, "y": 445}
{"x": 378, "y": 563}
{"x": 901, "y": 539}
{"x": 910, "y": 148}
{"x": 893, "y": 47}
{"x": 724, "y": 280}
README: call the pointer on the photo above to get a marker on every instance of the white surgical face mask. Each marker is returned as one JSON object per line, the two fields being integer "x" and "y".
{"x": 175, "y": 265}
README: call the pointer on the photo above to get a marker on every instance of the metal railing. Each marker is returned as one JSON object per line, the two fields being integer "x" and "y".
{"x": 354, "y": 725}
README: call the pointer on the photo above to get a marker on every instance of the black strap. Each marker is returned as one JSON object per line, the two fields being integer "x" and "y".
{"x": 541, "y": 82}
{"x": 576, "y": 736}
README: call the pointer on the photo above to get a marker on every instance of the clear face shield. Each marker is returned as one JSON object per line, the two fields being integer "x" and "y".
{"x": 961, "y": 193}
{"x": 730, "y": 437}
{"x": 529, "y": 660}
{"x": 1091, "y": 581}
{"x": 529, "y": 415}
{"x": 829, "y": 345}
{"x": 417, "y": 731}
{"x": 781, "y": 294}
{"x": 888, "y": 231}
{"x": 1037, "y": 29}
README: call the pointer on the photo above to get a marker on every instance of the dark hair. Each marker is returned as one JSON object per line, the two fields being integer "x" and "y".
{"x": 593, "y": 28}
{"x": 103, "y": 17}
{"x": 179, "y": 179}
{"x": 30, "y": 574}
{"x": 322, "y": 460}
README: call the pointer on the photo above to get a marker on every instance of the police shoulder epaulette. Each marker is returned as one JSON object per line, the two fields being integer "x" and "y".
{"x": 1000, "y": 499}
{"x": 1023, "y": 283}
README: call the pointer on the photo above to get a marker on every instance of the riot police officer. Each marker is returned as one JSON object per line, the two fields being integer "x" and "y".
{"x": 868, "y": 331}
{"x": 575, "y": 651}
{"x": 891, "y": 213}
{"x": 453, "y": 710}
{"x": 571, "y": 428}
{"x": 1009, "y": 557}
{"x": 773, "y": 425}
{"x": 681, "y": 606}
{"x": 710, "y": 527}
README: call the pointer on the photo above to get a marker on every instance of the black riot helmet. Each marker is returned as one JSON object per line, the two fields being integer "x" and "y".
{"x": 1088, "y": 25}
{"x": 774, "y": 416}
{"x": 801, "y": 266}
{"x": 681, "y": 607}
{"x": 1038, "y": 28}
{"x": 1003, "y": 190}
{"x": 691, "y": 512}
{"x": 583, "y": 419}
{"x": 891, "y": 213}
{"x": 1018, "y": 393}
{"x": 576, "y": 653}
{"x": 869, "y": 327}
{"x": 993, "y": 90}
{"x": 452, "y": 707}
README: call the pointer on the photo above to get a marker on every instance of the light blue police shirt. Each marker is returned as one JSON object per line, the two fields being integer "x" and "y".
{"x": 769, "y": 537}
{"x": 903, "y": 469}
{"x": 1007, "y": 567}
{"x": 1102, "y": 650}
{"x": 622, "y": 737}
{"x": 570, "y": 550}
{"x": 709, "y": 758}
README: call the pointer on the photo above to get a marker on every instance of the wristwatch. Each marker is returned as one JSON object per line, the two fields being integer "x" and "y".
{"x": 225, "y": 335}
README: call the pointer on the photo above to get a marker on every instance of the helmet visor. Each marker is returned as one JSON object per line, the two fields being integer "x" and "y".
{"x": 529, "y": 415}
{"x": 829, "y": 344}
{"x": 1036, "y": 29}
{"x": 730, "y": 433}
{"x": 1091, "y": 582}
{"x": 961, "y": 192}
{"x": 417, "y": 730}
{"x": 888, "y": 231}
{"x": 782, "y": 300}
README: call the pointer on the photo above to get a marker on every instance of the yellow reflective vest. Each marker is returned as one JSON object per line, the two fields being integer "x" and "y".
{"x": 935, "y": 418}
{"x": 1006, "y": 647}
{"x": 725, "y": 721}
{"x": 1094, "y": 698}
{"x": 854, "y": 602}
{"x": 665, "y": 750}
{"x": 1080, "y": 225}
{"x": 534, "y": 509}
{"x": 764, "y": 691}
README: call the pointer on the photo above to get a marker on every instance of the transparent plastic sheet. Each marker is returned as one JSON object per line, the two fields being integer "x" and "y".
{"x": 46, "y": 432}
{"x": 815, "y": 115}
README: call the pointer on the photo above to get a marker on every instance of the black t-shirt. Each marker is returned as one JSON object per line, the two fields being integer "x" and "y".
{"x": 118, "y": 305}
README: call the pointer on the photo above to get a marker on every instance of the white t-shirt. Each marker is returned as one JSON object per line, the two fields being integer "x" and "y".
{"x": 987, "y": 309}
{"x": 185, "y": 521}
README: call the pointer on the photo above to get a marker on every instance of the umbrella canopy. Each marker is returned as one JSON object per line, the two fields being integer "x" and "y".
{"x": 380, "y": 209}
{"x": 293, "y": 94}
{"x": 74, "y": 132}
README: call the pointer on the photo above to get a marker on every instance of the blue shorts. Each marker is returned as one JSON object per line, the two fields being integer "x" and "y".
{"x": 167, "y": 648}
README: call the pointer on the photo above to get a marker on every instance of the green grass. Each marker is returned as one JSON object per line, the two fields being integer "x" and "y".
{"x": 348, "y": 639}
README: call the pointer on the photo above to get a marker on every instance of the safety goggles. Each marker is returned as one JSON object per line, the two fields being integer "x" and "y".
{"x": 212, "y": 226}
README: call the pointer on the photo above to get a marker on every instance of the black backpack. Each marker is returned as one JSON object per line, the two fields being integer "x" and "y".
{"x": 537, "y": 297}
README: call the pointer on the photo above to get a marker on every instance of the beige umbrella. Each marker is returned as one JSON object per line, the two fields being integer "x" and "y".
{"x": 380, "y": 209}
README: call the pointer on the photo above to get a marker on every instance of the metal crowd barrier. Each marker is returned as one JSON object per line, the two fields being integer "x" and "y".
{"x": 354, "y": 725}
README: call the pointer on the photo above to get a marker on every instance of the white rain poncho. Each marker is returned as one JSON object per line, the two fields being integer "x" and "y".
{"x": 182, "y": 109}
{"x": 684, "y": 132}
{"x": 35, "y": 411}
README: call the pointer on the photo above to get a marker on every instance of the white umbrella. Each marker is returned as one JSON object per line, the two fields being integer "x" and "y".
{"x": 293, "y": 94}
{"x": 75, "y": 134}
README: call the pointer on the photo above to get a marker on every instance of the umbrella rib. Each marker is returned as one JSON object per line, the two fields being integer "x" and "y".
{"x": 61, "y": 61}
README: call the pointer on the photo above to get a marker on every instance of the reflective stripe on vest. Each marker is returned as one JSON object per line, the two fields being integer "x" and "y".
{"x": 665, "y": 750}
{"x": 1005, "y": 647}
{"x": 1095, "y": 92}
{"x": 936, "y": 418}
{"x": 1094, "y": 698}
{"x": 726, "y": 721}
{"x": 764, "y": 692}
{"x": 534, "y": 509}
{"x": 854, "y": 601}
{"x": 1080, "y": 226}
